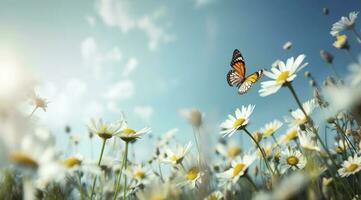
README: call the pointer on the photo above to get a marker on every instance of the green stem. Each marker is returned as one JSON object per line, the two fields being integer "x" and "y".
{"x": 261, "y": 149}
{"x": 251, "y": 182}
{"x": 342, "y": 132}
{"x": 80, "y": 187}
{"x": 121, "y": 171}
{"x": 334, "y": 70}
{"x": 125, "y": 177}
{"x": 99, "y": 161}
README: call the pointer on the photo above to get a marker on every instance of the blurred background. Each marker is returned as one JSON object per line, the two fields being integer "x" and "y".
{"x": 150, "y": 59}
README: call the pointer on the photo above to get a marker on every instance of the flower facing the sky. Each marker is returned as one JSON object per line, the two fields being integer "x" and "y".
{"x": 298, "y": 117}
{"x": 350, "y": 166}
{"x": 129, "y": 134}
{"x": 240, "y": 120}
{"x": 291, "y": 134}
{"x": 308, "y": 143}
{"x": 104, "y": 130}
{"x": 271, "y": 128}
{"x": 283, "y": 73}
{"x": 345, "y": 23}
{"x": 177, "y": 155}
{"x": 142, "y": 174}
{"x": 238, "y": 168}
{"x": 292, "y": 159}
{"x": 230, "y": 150}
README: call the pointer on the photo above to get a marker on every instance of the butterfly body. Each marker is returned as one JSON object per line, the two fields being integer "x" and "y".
{"x": 236, "y": 76}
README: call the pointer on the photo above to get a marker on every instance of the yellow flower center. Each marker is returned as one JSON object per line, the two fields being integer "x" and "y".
{"x": 282, "y": 76}
{"x": 340, "y": 42}
{"x": 351, "y": 168}
{"x": 234, "y": 151}
{"x": 269, "y": 131}
{"x": 24, "y": 159}
{"x": 192, "y": 173}
{"x": 139, "y": 174}
{"x": 237, "y": 169}
{"x": 174, "y": 158}
{"x": 290, "y": 135}
{"x": 71, "y": 162}
{"x": 238, "y": 122}
{"x": 212, "y": 197}
{"x": 157, "y": 197}
{"x": 292, "y": 160}
{"x": 128, "y": 131}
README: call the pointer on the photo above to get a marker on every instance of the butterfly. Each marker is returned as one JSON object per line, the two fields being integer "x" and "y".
{"x": 236, "y": 76}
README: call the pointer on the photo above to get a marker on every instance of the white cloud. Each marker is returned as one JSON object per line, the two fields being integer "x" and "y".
{"x": 130, "y": 66}
{"x": 97, "y": 59}
{"x": 116, "y": 14}
{"x": 121, "y": 90}
{"x": 144, "y": 112}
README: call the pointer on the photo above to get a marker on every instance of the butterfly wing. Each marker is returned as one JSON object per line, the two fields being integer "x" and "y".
{"x": 249, "y": 81}
{"x": 233, "y": 78}
{"x": 238, "y": 64}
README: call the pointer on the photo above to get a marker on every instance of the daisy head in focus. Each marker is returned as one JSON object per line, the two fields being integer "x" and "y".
{"x": 238, "y": 168}
{"x": 176, "y": 156}
{"x": 239, "y": 121}
{"x": 271, "y": 128}
{"x": 104, "y": 130}
{"x": 282, "y": 74}
{"x": 345, "y": 23}
{"x": 292, "y": 159}
{"x": 350, "y": 166}
{"x": 128, "y": 134}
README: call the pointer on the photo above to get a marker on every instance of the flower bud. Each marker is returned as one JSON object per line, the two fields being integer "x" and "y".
{"x": 326, "y": 56}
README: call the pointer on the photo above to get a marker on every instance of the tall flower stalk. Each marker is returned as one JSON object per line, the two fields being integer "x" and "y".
{"x": 99, "y": 161}
{"x": 125, "y": 157}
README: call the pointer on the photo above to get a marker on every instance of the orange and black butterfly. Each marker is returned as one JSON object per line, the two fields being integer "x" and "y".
{"x": 236, "y": 76}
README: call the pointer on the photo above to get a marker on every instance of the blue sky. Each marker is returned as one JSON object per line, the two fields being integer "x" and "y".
{"x": 152, "y": 58}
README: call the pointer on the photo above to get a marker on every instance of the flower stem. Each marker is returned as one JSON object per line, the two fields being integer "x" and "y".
{"x": 249, "y": 179}
{"x": 125, "y": 167}
{"x": 80, "y": 187}
{"x": 121, "y": 171}
{"x": 261, "y": 149}
{"x": 334, "y": 70}
{"x": 99, "y": 161}
{"x": 31, "y": 114}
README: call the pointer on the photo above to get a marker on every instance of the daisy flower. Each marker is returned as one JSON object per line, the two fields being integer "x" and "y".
{"x": 298, "y": 117}
{"x": 307, "y": 142}
{"x": 283, "y": 73}
{"x": 216, "y": 195}
{"x": 350, "y": 166}
{"x": 38, "y": 102}
{"x": 104, "y": 130}
{"x": 345, "y": 23}
{"x": 292, "y": 159}
{"x": 72, "y": 161}
{"x": 191, "y": 175}
{"x": 128, "y": 134}
{"x": 291, "y": 134}
{"x": 177, "y": 155}
{"x": 238, "y": 168}
{"x": 140, "y": 173}
{"x": 232, "y": 124}
{"x": 271, "y": 128}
